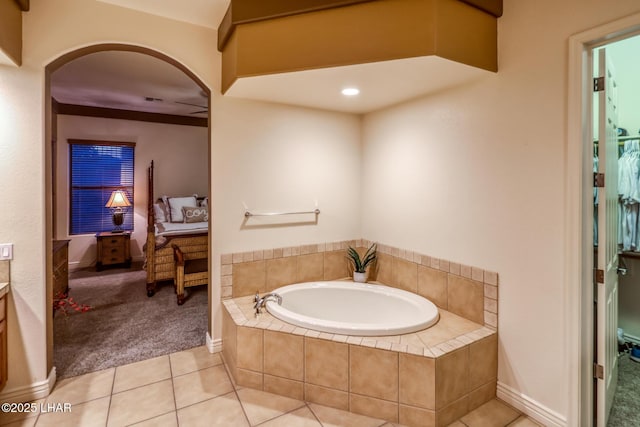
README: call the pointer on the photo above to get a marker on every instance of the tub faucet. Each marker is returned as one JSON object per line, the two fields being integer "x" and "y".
{"x": 260, "y": 302}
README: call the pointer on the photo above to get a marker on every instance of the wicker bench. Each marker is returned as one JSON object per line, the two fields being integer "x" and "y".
{"x": 189, "y": 272}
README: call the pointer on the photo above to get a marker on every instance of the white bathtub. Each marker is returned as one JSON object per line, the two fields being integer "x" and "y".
{"x": 350, "y": 308}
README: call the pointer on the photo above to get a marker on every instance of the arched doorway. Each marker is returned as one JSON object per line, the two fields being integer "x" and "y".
{"x": 53, "y": 203}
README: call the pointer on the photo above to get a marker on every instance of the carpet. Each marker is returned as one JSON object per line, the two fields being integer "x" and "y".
{"x": 124, "y": 325}
{"x": 626, "y": 404}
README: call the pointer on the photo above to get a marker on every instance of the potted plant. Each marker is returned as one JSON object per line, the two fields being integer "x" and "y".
{"x": 360, "y": 264}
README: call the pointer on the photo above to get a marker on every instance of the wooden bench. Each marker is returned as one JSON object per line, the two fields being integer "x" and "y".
{"x": 189, "y": 271}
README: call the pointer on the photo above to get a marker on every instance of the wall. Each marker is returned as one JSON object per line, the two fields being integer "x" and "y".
{"x": 181, "y": 168}
{"x": 269, "y": 156}
{"x": 476, "y": 175}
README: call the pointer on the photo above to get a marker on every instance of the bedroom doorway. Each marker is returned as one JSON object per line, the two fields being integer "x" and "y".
{"x": 116, "y": 95}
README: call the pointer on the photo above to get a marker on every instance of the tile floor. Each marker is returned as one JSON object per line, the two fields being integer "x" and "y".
{"x": 193, "y": 388}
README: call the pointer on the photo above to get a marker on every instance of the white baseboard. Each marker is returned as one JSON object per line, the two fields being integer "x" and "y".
{"x": 32, "y": 392}
{"x": 214, "y": 346}
{"x": 530, "y": 407}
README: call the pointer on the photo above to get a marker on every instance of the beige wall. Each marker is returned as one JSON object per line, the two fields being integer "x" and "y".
{"x": 481, "y": 181}
{"x": 270, "y": 157}
{"x": 476, "y": 175}
{"x": 181, "y": 168}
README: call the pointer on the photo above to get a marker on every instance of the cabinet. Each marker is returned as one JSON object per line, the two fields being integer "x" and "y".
{"x": 114, "y": 249}
{"x": 60, "y": 267}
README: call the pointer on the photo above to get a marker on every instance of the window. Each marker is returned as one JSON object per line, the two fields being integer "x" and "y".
{"x": 97, "y": 169}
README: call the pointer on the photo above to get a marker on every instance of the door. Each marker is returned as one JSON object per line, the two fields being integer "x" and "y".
{"x": 607, "y": 254}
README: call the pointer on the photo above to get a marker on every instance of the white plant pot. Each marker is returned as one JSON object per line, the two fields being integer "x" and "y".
{"x": 359, "y": 277}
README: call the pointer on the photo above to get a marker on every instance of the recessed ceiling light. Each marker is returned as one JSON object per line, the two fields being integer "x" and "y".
{"x": 350, "y": 91}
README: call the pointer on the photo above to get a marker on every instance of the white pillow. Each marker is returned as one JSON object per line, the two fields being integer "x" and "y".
{"x": 177, "y": 203}
{"x": 159, "y": 213}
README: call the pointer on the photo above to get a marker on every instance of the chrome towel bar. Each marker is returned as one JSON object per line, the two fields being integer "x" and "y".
{"x": 250, "y": 214}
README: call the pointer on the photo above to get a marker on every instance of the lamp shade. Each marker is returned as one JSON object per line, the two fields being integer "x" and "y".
{"x": 118, "y": 199}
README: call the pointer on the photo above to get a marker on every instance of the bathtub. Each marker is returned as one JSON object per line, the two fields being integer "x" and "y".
{"x": 350, "y": 308}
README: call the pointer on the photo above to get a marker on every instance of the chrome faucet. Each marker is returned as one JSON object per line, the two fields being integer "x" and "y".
{"x": 260, "y": 302}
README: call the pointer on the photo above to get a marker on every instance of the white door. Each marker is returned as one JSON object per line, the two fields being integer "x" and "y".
{"x": 607, "y": 260}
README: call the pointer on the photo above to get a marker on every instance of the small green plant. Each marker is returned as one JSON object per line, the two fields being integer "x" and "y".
{"x": 360, "y": 264}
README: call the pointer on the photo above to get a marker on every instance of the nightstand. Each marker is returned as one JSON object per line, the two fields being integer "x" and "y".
{"x": 114, "y": 249}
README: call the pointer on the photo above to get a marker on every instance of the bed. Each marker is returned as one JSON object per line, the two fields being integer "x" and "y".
{"x": 173, "y": 221}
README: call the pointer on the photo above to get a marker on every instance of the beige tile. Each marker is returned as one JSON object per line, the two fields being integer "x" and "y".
{"x": 456, "y": 424}
{"x": 457, "y": 324}
{"x": 141, "y": 373}
{"x": 246, "y": 378}
{"x": 335, "y": 265}
{"x": 524, "y": 421}
{"x": 261, "y": 406}
{"x": 373, "y": 372}
{"x": 452, "y": 377}
{"x": 141, "y": 403}
{"x": 466, "y": 298}
{"x": 405, "y": 275}
{"x": 372, "y": 407}
{"x": 17, "y": 418}
{"x": 284, "y": 387}
{"x": 432, "y": 284}
{"x": 221, "y": 411}
{"x": 201, "y": 385}
{"x": 331, "y": 417}
{"x": 167, "y": 420}
{"x": 25, "y": 422}
{"x": 229, "y": 336}
{"x": 418, "y": 381}
{"x": 384, "y": 269}
{"x": 249, "y": 278}
{"x": 83, "y": 388}
{"x": 5, "y": 271}
{"x": 482, "y": 394}
{"x": 281, "y": 271}
{"x": 327, "y": 363}
{"x": 92, "y": 413}
{"x": 250, "y": 346}
{"x": 437, "y": 334}
{"x": 326, "y": 396}
{"x": 483, "y": 357}
{"x": 452, "y": 412}
{"x": 416, "y": 417}
{"x": 492, "y": 413}
{"x": 284, "y": 355}
{"x": 302, "y": 417}
{"x": 310, "y": 268}
{"x": 192, "y": 360}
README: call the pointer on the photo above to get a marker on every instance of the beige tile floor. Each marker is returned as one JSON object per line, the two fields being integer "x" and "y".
{"x": 193, "y": 388}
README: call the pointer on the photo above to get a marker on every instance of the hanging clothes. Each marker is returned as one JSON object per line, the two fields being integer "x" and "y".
{"x": 629, "y": 196}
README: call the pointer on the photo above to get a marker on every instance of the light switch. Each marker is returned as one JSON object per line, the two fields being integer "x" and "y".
{"x": 6, "y": 251}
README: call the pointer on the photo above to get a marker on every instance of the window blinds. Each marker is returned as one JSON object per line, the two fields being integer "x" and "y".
{"x": 97, "y": 169}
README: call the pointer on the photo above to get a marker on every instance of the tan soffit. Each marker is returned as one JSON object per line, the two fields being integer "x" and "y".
{"x": 382, "y": 84}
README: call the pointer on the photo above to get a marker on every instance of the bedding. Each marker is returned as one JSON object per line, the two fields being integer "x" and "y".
{"x": 182, "y": 221}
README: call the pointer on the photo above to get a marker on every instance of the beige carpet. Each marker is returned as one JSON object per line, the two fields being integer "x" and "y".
{"x": 626, "y": 403}
{"x": 123, "y": 324}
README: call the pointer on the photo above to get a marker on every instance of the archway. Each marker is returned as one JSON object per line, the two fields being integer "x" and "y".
{"x": 50, "y": 137}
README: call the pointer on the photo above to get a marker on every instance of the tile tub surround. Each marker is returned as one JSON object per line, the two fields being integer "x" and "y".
{"x": 467, "y": 291}
{"x": 428, "y": 378}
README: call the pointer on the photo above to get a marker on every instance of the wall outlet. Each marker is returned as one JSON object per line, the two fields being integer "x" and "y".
{"x": 6, "y": 251}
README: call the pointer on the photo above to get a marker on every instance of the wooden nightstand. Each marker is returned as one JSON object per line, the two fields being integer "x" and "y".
{"x": 113, "y": 249}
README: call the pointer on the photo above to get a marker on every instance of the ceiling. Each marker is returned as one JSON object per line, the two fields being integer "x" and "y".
{"x": 125, "y": 80}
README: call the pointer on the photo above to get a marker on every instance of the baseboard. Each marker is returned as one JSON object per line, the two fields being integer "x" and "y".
{"x": 32, "y": 392}
{"x": 530, "y": 407}
{"x": 214, "y": 346}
